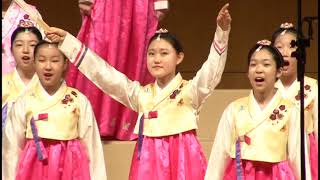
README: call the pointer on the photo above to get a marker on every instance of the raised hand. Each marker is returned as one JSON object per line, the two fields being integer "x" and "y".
{"x": 160, "y": 14}
{"x": 85, "y": 8}
{"x": 56, "y": 35}
{"x": 224, "y": 18}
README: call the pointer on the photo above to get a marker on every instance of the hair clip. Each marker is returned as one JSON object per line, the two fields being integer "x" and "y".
{"x": 25, "y": 23}
{"x": 285, "y": 26}
{"x": 262, "y": 43}
{"x": 161, "y": 31}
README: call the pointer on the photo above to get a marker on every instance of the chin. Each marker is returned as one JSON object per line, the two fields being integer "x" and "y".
{"x": 286, "y": 74}
{"x": 259, "y": 88}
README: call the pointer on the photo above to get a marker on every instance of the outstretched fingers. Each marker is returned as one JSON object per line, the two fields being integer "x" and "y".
{"x": 224, "y": 17}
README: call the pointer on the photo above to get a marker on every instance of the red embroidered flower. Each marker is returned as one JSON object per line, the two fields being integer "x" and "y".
{"x": 26, "y": 16}
{"x": 67, "y": 99}
{"x": 64, "y": 101}
{"x": 273, "y": 117}
{"x": 282, "y": 107}
{"x": 297, "y": 97}
{"x": 307, "y": 87}
{"x": 276, "y": 113}
{"x": 67, "y": 96}
{"x": 280, "y": 116}
{"x": 174, "y": 94}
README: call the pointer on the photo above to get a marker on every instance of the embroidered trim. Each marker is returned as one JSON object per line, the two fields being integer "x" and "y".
{"x": 174, "y": 93}
{"x": 219, "y": 49}
{"x": 307, "y": 88}
{"x": 67, "y": 99}
{"x": 82, "y": 57}
{"x": 277, "y": 114}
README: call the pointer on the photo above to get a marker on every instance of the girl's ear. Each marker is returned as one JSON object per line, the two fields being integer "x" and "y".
{"x": 180, "y": 57}
{"x": 65, "y": 67}
{"x": 279, "y": 72}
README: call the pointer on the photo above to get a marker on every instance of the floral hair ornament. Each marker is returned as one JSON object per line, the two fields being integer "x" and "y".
{"x": 285, "y": 26}
{"x": 26, "y": 23}
{"x": 161, "y": 31}
{"x": 262, "y": 43}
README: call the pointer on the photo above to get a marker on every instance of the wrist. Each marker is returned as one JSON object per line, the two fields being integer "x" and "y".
{"x": 85, "y": 2}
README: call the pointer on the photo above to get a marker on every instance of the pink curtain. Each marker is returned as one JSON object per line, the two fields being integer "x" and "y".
{"x": 118, "y": 31}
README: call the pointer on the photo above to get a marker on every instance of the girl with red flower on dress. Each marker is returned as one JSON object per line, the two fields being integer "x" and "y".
{"x": 51, "y": 132}
{"x": 258, "y": 136}
{"x": 290, "y": 89}
{"x": 167, "y": 147}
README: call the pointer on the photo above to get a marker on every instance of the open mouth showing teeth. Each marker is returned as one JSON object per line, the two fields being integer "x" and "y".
{"x": 259, "y": 79}
{"x": 286, "y": 63}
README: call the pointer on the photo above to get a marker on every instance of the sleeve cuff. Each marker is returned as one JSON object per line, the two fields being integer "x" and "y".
{"x": 221, "y": 40}
{"x": 72, "y": 48}
{"x": 160, "y": 5}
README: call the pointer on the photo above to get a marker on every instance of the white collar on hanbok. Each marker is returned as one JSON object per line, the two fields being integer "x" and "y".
{"x": 173, "y": 80}
{"x": 18, "y": 81}
{"x": 257, "y": 111}
{"x": 57, "y": 93}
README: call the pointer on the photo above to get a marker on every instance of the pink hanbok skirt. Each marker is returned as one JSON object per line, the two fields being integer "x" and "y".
{"x": 175, "y": 157}
{"x": 313, "y": 156}
{"x": 67, "y": 160}
{"x": 257, "y": 170}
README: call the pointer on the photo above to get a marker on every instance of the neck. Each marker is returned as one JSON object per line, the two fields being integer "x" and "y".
{"x": 51, "y": 90}
{"x": 263, "y": 98}
{"x": 25, "y": 76}
{"x": 287, "y": 80}
{"x": 163, "y": 82}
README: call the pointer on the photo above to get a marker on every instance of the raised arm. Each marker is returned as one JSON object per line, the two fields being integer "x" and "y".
{"x": 161, "y": 7}
{"x": 209, "y": 76}
{"x": 85, "y": 7}
{"x": 102, "y": 74}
